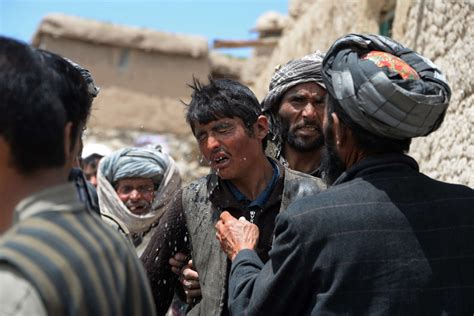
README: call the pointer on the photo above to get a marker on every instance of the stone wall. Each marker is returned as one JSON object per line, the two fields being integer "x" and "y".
{"x": 438, "y": 29}
{"x": 314, "y": 26}
{"x": 443, "y": 31}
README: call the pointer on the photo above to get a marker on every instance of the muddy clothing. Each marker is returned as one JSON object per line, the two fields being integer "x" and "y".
{"x": 188, "y": 227}
{"x": 75, "y": 263}
{"x": 315, "y": 173}
{"x": 384, "y": 240}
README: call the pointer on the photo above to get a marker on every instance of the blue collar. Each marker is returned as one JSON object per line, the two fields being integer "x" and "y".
{"x": 262, "y": 198}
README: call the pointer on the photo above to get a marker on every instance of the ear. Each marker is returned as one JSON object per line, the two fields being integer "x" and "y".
{"x": 67, "y": 141}
{"x": 261, "y": 127}
{"x": 340, "y": 132}
{"x": 71, "y": 154}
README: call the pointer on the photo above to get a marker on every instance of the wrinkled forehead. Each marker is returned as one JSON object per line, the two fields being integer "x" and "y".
{"x": 305, "y": 88}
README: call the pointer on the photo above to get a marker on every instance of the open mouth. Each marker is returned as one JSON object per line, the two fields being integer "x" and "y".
{"x": 139, "y": 208}
{"x": 219, "y": 160}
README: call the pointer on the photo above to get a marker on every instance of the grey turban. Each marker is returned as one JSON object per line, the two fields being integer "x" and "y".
{"x": 297, "y": 71}
{"x": 378, "y": 99}
{"x": 134, "y": 163}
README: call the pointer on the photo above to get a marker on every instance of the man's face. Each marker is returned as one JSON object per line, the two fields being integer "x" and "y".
{"x": 227, "y": 146}
{"x": 90, "y": 170}
{"x": 137, "y": 194}
{"x": 302, "y": 112}
{"x": 332, "y": 165}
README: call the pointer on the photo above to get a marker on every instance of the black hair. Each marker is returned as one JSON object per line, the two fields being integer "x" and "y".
{"x": 91, "y": 161}
{"x": 364, "y": 139}
{"x": 39, "y": 93}
{"x": 222, "y": 98}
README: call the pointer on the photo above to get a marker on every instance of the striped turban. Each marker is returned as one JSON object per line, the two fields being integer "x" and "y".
{"x": 295, "y": 72}
{"x": 386, "y": 88}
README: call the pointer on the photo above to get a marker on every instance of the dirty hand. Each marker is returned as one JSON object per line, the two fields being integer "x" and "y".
{"x": 235, "y": 235}
{"x": 190, "y": 281}
{"x": 178, "y": 262}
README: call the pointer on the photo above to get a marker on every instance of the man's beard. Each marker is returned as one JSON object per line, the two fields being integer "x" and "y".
{"x": 332, "y": 165}
{"x": 289, "y": 136}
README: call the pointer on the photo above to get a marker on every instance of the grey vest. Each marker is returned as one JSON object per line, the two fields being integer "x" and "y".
{"x": 208, "y": 258}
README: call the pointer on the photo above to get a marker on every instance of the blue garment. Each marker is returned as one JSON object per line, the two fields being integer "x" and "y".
{"x": 262, "y": 198}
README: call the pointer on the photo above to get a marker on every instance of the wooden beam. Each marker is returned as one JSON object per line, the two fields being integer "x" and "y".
{"x": 244, "y": 43}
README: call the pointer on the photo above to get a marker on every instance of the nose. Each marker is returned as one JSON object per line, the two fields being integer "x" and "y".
{"x": 135, "y": 195}
{"x": 309, "y": 111}
{"x": 212, "y": 142}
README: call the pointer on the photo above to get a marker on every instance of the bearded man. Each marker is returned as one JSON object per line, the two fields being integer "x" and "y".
{"x": 295, "y": 107}
{"x": 385, "y": 238}
{"x": 134, "y": 187}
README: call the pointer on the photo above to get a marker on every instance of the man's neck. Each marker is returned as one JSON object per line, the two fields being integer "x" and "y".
{"x": 256, "y": 179}
{"x": 305, "y": 162}
{"x": 15, "y": 187}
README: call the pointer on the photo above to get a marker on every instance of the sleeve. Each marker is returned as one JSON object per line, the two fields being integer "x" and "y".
{"x": 170, "y": 237}
{"x": 281, "y": 286}
{"x": 17, "y": 296}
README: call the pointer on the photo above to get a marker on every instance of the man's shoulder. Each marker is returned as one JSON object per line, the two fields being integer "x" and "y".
{"x": 298, "y": 185}
{"x": 293, "y": 177}
{"x": 17, "y": 295}
{"x": 200, "y": 186}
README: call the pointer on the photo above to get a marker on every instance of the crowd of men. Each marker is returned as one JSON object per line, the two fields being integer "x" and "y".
{"x": 311, "y": 206}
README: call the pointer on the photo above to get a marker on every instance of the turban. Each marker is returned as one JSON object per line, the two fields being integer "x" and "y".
{"x": 136, "y": 163}
{"x": 295, "y": 72}
{"x": 384, "y": 87}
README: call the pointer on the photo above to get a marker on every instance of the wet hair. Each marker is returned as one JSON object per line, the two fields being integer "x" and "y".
{"x": 364, "y": 139}
{"x": 39, "y": 93}
{"x": 222, "y": 98}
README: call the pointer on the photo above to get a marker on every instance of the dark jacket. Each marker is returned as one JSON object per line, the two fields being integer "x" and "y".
{"x": 385, "y": 239}
{"x": 188, "y": 226}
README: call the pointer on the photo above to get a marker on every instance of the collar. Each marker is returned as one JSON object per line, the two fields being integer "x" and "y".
{"x": 375, "y": 164}
{"x": 60, "y": 198}
{"x": 221, "y": 196}
{"x": 262, "y": 198}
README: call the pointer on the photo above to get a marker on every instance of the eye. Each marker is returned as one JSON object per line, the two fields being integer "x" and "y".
{"x": 223, "y": 128}
{"x": 201, "y": 137}
{"x": 143, "y": 189}
{"x": 126, "y": 189}
{"x": 297, "y": 100}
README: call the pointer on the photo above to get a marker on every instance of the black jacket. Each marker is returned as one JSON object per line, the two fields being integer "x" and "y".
{"x": 384, "y": 240}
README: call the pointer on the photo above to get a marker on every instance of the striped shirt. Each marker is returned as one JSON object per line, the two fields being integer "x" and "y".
{"x": 78, "y": 265}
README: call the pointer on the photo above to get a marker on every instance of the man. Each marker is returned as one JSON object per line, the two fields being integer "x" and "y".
{"x": 56, "y": 257}
{"x": 135, "y": 185}
{"x": 231, "y": 132}
{"x": 295, "y": 106}
{"x": 91, "y": 156}
{"x": 385, "y": 238}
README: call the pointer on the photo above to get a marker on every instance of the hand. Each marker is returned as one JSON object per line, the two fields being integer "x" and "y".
{"x": 190, "y": 281}
{"x": 235, "y": 235}
{"x": 178, "y": 262}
